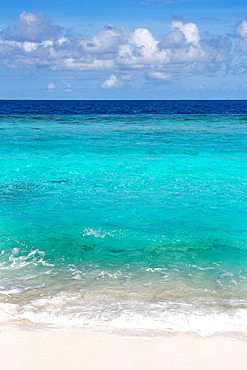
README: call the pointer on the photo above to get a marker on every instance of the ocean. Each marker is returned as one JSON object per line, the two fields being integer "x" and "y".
{"x": 124, "y": 214}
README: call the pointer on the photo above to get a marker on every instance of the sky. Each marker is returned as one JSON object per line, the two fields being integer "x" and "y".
{"x": 123, "y": 49}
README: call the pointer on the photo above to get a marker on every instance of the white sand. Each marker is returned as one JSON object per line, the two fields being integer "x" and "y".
{"x": 67, "y": 348}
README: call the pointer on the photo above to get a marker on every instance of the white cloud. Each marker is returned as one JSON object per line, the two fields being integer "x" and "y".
{"x": 33, "y": 27}
{"x": 67, "y": 85}
{"x": 28, "y": 17}
{"x": 111, "y": 83}
{"x": 105, "y": 41}
{"x": 51, "y": 87}
{"x": 175, "y": 39}
{"x": 158, "y": 76}
{"x": 144, "y": 40}
{"x": 242, "y": 32}
{"x": 34, "y": 42}
{"x": 190, "y": 31}
{"x": 242, "y": 29}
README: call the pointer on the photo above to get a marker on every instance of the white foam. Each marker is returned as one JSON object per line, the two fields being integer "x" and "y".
{"x": 96, "y": 233}
{"x": 11, "y": 292}
{"x": 34, "y": 258}
{"x": 63, "y": 309}
{"x": 8, "y": 311}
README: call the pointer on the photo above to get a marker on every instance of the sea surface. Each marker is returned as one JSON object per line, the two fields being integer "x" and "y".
{"x": 125, "y": 214}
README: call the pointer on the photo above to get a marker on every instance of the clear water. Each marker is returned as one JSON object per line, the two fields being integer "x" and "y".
{"x": 125, "y": 220}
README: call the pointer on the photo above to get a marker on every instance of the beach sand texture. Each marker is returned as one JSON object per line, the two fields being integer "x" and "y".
{"x": 69, "y": 348}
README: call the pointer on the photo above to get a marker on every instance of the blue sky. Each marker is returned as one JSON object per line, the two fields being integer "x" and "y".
{"x": 123, "y": 49}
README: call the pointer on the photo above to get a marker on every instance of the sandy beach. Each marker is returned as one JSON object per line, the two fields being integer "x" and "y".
{"x": 70, "y": 348}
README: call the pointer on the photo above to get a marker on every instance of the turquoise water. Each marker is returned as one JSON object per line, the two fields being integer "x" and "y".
{"x": 134, "y": 221}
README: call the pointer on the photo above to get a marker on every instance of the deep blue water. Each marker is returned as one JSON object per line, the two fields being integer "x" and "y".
{"x": 129, "y": 214}
{"x": 95, "y": 107}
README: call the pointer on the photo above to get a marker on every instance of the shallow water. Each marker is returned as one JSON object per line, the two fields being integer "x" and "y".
{"x": 132, "y": 221}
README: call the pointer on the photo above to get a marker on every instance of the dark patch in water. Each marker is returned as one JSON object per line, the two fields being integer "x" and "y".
{"x": 58, "y": 181}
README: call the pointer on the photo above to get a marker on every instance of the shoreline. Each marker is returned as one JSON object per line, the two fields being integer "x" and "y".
{"x": 26, "y": 346}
